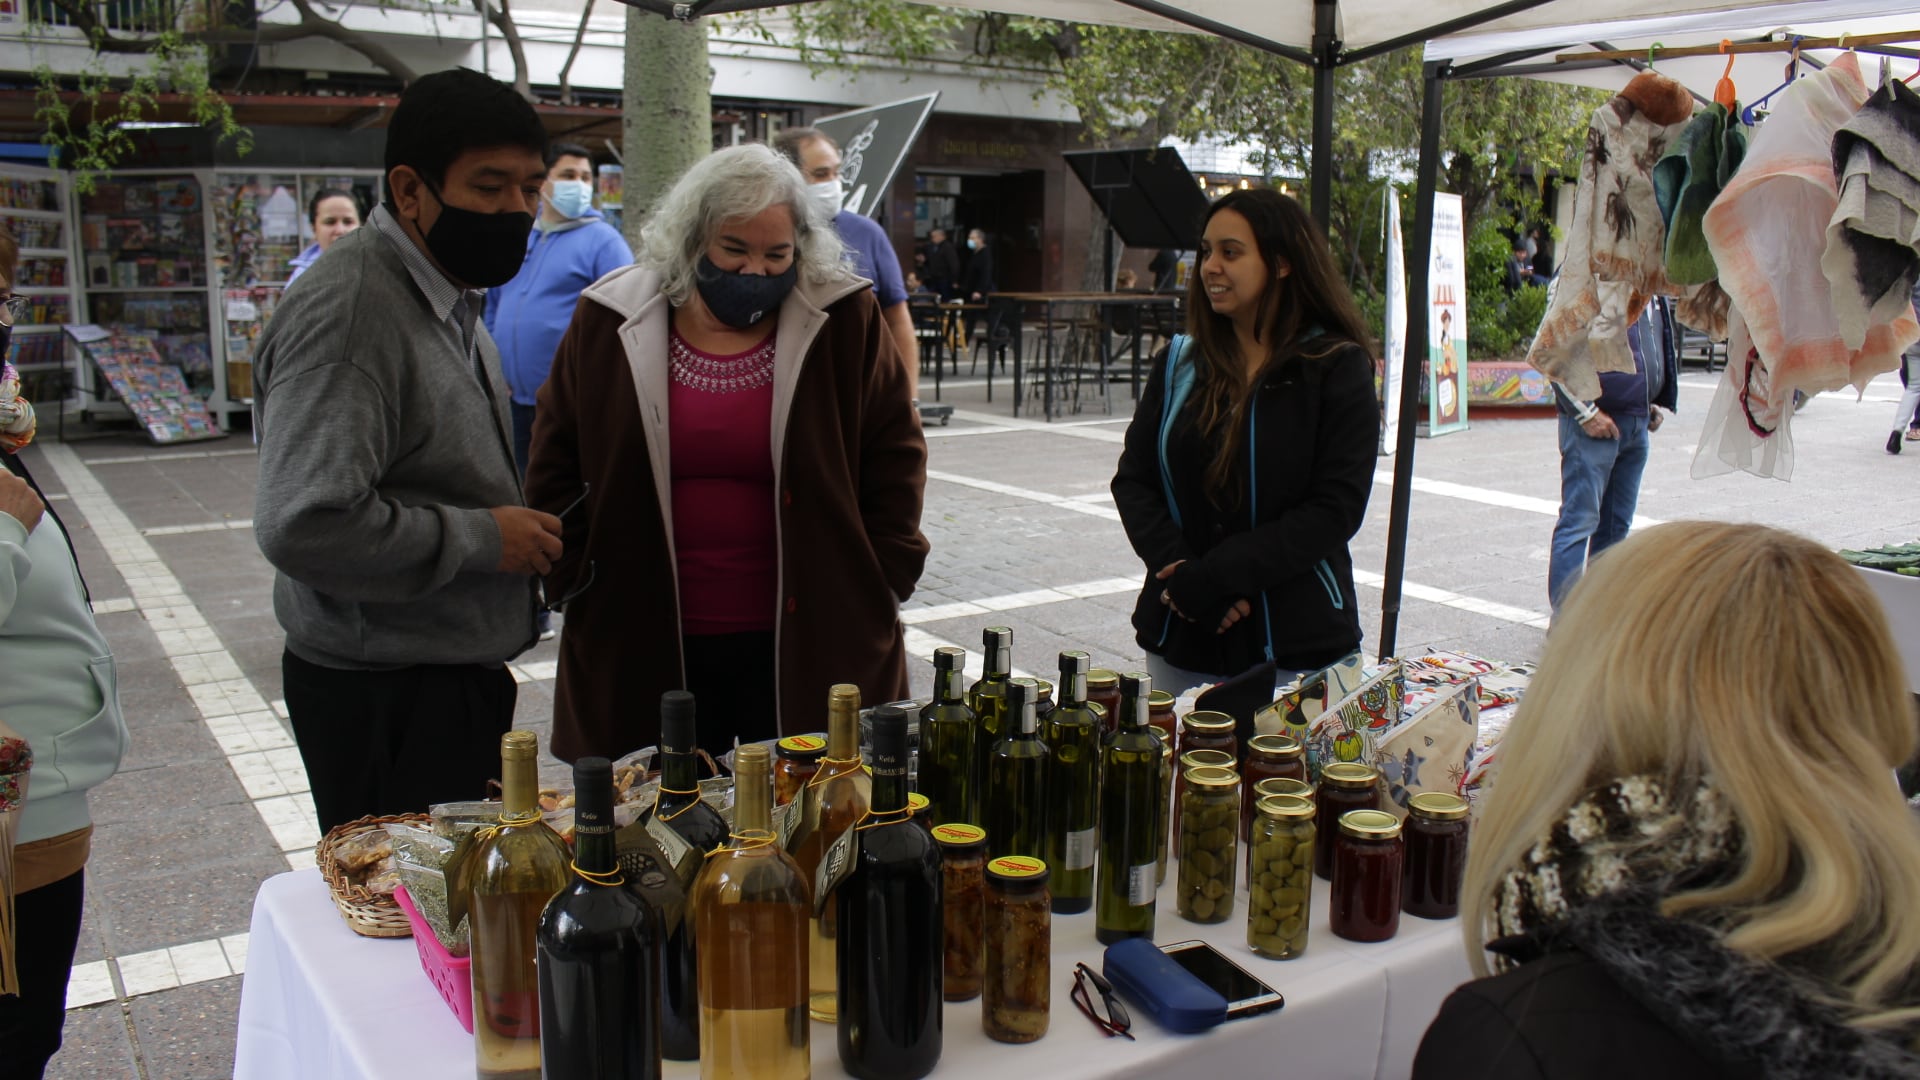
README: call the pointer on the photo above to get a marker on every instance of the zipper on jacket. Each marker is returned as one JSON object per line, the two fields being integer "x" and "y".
{"x": 1253, "y": 502}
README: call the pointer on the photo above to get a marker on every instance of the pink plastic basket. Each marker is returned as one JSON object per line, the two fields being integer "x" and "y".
{"x": 450, "y": 974}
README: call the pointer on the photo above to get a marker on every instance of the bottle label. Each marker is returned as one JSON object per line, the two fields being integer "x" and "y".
{"x": 1140, "y": 887}
{"x": 672, "y": 844}
{"x": 835, "y": 865}
{"x": 1079, "y": 851}
{"x": 786, "y": 818}
{"x": 650, "y": 873}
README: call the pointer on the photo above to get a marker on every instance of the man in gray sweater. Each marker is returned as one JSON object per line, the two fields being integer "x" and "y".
{"x": 388, "y": 500}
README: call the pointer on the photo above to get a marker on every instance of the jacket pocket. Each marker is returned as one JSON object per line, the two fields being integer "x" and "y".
{"x": 1330, "y": 583}
{"x": 89, "y": 753}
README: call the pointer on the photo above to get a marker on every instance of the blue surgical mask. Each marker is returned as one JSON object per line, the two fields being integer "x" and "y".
{"x": 571, "y": 198}
{"x": 972, "y": 244}
{"x": 741, "y": 300}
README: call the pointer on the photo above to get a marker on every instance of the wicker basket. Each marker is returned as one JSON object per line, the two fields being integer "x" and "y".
{"x": 368, "y": 914}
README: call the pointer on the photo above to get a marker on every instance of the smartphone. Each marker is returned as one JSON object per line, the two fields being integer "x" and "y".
{"x": 1246, "y": 995}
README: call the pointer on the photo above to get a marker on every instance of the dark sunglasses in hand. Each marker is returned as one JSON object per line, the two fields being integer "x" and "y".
{"x": 586, "y": 581}
{"x": 1116, "y": 1022}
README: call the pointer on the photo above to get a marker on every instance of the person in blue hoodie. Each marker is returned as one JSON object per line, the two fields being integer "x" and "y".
{"x": 571, "y": 247}
{"x": 57, "y": 691}
{"x": 333, "y": 213}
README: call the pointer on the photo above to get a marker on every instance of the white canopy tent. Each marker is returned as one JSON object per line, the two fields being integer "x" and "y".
{"x": 1463, "y": 39}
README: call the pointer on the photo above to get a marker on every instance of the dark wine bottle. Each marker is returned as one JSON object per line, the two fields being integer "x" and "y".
{"x": 988, "y": 698}
{"x": 599, "y": 955}
{"x": 1124, "y": 891}
{"x": 678, "y": 806}
{"x": 1015, "y": 801}
{"x": 948, "y": 752}
{"x": 1073, "y": 732}
{"x": 891, "y": 928}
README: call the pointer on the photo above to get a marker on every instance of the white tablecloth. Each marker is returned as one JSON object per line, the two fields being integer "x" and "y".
{"x": 321, "y": 1002}
{"x": 1900, "y": 596}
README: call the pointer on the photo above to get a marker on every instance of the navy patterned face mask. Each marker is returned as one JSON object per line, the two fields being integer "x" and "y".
{"x": 742, "y": 300}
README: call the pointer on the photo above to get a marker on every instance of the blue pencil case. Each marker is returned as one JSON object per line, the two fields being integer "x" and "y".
{"x": 1156, "y": 983}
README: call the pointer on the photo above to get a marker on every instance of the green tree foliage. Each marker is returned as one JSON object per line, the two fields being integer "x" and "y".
{"x": 1138, "y": 88}
{"x": 90, "y": 134}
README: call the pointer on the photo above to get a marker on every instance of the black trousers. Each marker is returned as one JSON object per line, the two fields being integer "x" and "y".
{"x": 731, "y": 679}
{"x": 395, "y": 742}
{"x": 48, "y": 923}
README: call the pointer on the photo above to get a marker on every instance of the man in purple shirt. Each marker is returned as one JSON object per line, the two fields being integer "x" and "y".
{"x": 818, "y": 159}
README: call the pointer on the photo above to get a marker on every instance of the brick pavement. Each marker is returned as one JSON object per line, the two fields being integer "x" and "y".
{"x": 205, "y": 806}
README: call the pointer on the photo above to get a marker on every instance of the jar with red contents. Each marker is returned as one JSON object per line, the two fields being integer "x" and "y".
{"x": 1202, "y": 730}
{"x": 797, "y": 758}
{"x": 1268, "y": 757}
{"x": 1103, "y": 690}
{"x": 1436, "y": 839}
{"x": 1160, "y": 715}
{"x": 1344, "y": 786}
{"x": 1195, "y": 759}
{"x": 1367, "y": 858}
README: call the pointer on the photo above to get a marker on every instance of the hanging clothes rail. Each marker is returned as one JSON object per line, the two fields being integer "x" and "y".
{"x": 1862, "y": 42}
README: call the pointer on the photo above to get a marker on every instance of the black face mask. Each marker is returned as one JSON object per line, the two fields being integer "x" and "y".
{"x": 741, "y": 300}
{"x": 481, "y": 250}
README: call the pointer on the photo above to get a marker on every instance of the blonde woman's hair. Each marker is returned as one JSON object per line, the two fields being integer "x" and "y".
{"x": 1759, "y": 659}
{"x": 729, "y": 185}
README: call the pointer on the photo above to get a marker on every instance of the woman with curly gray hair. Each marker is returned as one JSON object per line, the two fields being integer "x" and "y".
{"x": 736, "y": 429}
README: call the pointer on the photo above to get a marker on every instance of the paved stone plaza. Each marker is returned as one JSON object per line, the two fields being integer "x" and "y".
{"x": 211, "y": 799}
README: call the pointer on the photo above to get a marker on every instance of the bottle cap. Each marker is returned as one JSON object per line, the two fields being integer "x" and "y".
{"x": 1438, "y": 806}
{"x": 1017, "y": 870}
{"x": 1286, "y": 806}
{"x": 1369, "y": 824}
{"x": 1074, "y": 663}
{"x": 1211, "y": 776}
{"x": 1349, "y": 775}
{"x": 1282, "y": 785}
{"x": 949, "y": 658}
{"x": 958, "y": 836}
{"x": 803, "y": 747}
{"x": 1285, "y": 746}
{"x": 676, "y": 721}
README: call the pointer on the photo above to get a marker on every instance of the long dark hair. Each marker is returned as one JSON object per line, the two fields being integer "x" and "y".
{"x": 1312, "y": 294}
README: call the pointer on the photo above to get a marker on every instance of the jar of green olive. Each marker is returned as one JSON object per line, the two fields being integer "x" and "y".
{"x": 1280, "y": 881}
{"x": 1209, "y": 844}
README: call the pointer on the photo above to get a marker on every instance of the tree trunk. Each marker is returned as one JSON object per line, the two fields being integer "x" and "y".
{"x": 667, "y": 121}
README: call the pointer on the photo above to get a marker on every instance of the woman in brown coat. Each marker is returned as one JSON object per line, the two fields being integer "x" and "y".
{"x": 737, "y": 428}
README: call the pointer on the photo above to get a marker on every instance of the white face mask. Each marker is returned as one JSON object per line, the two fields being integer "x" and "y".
{"x": 829, "y": 194}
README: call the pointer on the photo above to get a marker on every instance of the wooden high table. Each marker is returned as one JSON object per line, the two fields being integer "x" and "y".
{"x": 1047, "y": 302}
{"x": 322, "y": 1003}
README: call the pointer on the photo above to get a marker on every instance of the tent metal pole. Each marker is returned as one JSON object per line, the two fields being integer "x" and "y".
{"x": 1326, "y": 51}
{"x": 1184, "y": 17}
{"x": 1433, "y": 75}
{"x": 1440, "y": 30}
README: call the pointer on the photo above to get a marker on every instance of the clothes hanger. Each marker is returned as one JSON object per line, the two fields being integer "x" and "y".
{"x": 1747, "y": 116}
{"x": 1723, "y": 91}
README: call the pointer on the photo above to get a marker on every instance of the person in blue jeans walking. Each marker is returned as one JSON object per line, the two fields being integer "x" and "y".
{"x": 1603, "y": 448}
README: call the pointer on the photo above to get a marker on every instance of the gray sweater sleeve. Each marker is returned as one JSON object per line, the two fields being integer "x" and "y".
{"x": 318, "y": 514}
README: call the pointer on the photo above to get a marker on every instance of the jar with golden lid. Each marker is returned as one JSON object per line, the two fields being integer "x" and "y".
{"x": 1209, "y": 844}
{"x": 1368, "y": 855}
{"x": 1160, "y": 715}
{"x": 1194, "y": 759}
{"x": 963, "y": 867}
{"x": 1168, "y": 767}
{"x": 1344, "y": 786}
{"x": 1436, "y": 836}
{"x": 1277, "y": 785}
{"x": 1103, "y": 690}
{"x": 1280, "y": 880}
{"x": 796, "y": 759}
{"x": 1268, "y": 756}
{"x": 1204, "y": 730}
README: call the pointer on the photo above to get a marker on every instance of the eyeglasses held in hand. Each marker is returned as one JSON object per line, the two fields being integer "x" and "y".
{"x": 1116, "y": 1022}
{"x": 11, "y": 309}
{"x": 586, "y": 582}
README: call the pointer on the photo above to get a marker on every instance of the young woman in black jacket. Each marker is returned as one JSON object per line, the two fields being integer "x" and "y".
{"x": 1250, "y": 457}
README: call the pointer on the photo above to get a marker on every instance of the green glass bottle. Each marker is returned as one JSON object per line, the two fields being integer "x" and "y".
{"x": 1124, "y": 888}
{"x": 948, "y": 753}
{"x": 1014, "y": 802}
{"x": 988, "y": 697}
{"x": 1073, "y": 787}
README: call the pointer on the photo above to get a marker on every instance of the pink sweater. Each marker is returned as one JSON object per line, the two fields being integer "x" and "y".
{"x": 720, "y": 420}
